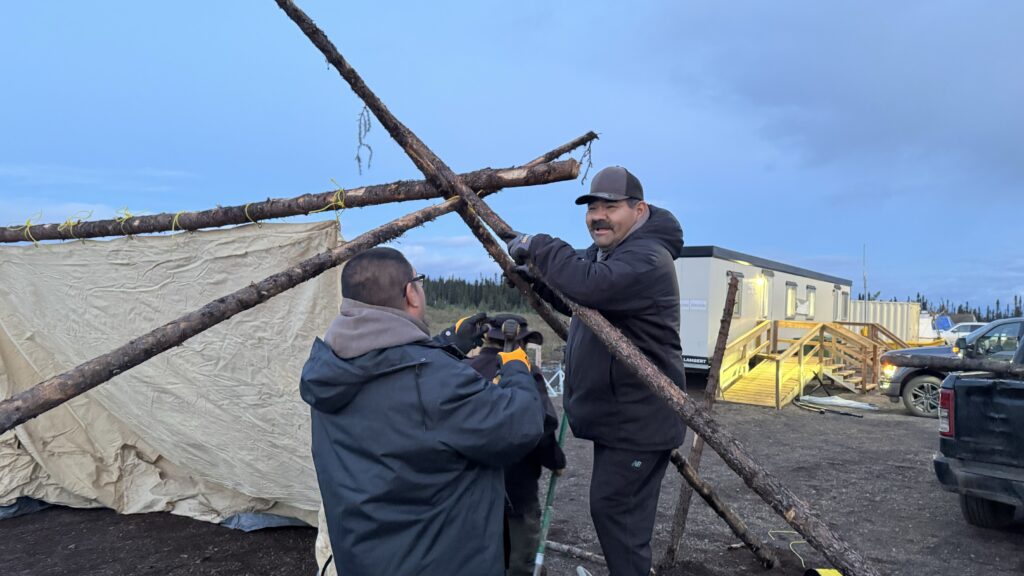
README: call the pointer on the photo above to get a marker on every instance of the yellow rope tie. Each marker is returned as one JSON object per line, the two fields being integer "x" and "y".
{"x": 27, "y": 228}
{"x": 123, "y": 215}
{"x": 772, "y": 533}
{"x": 246, "y": 210}
{"x": 72, "y": 221}
{"x": 337, "y": 203}
{"x": 174, "y": 223}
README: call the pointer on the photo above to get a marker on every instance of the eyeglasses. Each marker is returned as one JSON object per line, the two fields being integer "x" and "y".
{"x": 417, "y": 278}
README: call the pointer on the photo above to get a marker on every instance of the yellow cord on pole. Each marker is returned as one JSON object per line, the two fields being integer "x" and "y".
{"x": 174, "y": 223}
{"x": 123, "y": 215}
{"x": 72, "y": 221}
{"x": 27, "y": 228}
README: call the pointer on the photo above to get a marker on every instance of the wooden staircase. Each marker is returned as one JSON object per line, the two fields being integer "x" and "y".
{"x": 771, "y": 364}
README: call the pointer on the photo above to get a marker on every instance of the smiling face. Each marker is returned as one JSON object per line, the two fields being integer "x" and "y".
{"x": 609, "y": 222}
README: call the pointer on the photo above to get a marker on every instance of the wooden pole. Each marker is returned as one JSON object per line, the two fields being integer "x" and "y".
{"x": 949, "y": 364}
{"x": 486, "y": 180}
{"x": 56, "y": 390}
{"x": 764, "y": 554}
{"x": 794, "y": 510}
{"x": 671, "y": 557}
{"x": 576, "y": 552}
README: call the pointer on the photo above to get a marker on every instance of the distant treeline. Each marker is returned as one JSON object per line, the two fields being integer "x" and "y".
{"x": 990, "y": 312}
{"x": 484, "y": 294}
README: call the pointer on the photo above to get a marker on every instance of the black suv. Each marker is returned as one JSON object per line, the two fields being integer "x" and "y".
{"x": 919, "y": 387}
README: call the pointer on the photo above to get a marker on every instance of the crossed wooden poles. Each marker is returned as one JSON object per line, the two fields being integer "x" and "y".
{"x": 478, "y": 216}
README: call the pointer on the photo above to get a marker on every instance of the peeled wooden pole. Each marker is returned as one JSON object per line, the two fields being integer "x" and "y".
{"x": 795, "y": 511}
{"x": 487, "y": 180}
{"x": 764, "y": 554}
{"x": 697, "y": 449}
{"x": 56, "y": 390}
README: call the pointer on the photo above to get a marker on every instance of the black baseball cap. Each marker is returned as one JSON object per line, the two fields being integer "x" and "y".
{"x": 613, "y": 184}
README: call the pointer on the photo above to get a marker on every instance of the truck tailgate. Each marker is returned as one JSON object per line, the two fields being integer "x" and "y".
{"x": 989, "y": 422}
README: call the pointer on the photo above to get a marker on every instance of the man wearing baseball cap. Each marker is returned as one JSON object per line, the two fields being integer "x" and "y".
{"x": 628, "y": 274}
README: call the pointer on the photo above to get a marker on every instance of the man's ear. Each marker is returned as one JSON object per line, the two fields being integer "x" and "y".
{"x": 410, "y": 299}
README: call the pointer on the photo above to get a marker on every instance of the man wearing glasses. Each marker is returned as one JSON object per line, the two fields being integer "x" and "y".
{"x": 408, "y": 441}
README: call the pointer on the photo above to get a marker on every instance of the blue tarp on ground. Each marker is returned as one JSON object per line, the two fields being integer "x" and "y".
{"x": 22, "y": 506}
{"x": 250, "y": 521}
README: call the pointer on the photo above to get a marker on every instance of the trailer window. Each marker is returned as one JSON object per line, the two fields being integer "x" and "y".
{"x": 812, "y": 299}
{"x": 737, "y": 311}
{"x": 846, "y": 306}
{"x": 790, "y": 300}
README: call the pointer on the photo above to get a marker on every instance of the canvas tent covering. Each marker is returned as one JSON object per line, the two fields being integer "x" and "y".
{"x": 212, "y": 429}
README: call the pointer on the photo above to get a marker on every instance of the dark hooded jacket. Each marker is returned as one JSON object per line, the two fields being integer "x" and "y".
{"x": 521, "y": 477}
{"x": 409, "y": 445}
{"x": 635, "y": 287}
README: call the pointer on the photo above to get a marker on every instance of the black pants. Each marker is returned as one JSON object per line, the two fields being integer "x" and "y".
{"x": 624, "y": 491}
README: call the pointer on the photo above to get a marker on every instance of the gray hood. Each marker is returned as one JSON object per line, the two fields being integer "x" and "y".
{"x": 362, "y": 328}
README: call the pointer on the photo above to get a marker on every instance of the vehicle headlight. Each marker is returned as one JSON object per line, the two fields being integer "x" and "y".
{"x": 888, "y": 371}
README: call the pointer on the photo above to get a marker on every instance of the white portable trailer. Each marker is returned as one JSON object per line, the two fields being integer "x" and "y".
{"x": 769, "y": 290}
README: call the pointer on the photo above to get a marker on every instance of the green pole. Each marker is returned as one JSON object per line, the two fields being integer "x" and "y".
{"x": 549, "y": 504}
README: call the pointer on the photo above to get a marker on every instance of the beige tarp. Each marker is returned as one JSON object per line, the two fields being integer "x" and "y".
{"x": 207, "y": 430}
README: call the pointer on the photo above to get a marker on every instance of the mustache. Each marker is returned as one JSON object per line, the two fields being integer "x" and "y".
{"x": 600, "y": 225}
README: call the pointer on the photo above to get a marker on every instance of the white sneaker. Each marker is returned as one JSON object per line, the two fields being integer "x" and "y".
{"x": 581, "y": 571}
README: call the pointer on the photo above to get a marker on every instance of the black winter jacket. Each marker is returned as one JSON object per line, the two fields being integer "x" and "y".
{"x": 635, "y": 287}
{"x": 521, "y": 477}
{"x": 409, "y": 445}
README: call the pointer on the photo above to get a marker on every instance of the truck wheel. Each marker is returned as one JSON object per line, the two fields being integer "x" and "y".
{"x": 986, "y": 513}
{"x": 921, "y": 396}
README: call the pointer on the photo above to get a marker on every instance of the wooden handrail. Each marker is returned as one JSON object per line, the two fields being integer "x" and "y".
{"x": 813, "y": 332}
{"x": 888, "y": 333}
{"x": 850, "y": 334}
{"x": 750, "y": 335}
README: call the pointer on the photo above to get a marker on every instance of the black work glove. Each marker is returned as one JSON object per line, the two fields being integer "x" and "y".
{"x": 467, "y": 333}
{"x": 523, "y": 270}
{"x": 519, "y": 247}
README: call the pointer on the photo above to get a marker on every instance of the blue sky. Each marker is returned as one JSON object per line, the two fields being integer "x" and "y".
{"x": 796, "y": 131}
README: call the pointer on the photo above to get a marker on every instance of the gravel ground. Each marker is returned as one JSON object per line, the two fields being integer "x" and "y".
{"x": 870, "y": 478}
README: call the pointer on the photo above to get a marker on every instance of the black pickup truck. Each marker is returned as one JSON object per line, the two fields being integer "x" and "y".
{"x": 981, "y": 444}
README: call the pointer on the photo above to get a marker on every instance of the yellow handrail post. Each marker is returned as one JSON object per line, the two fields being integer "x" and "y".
{"x": 821, "y": 347}
{"x": 800, "y": 372}
{"x": 778, "y": 399}
{"x": 876, "y": 367}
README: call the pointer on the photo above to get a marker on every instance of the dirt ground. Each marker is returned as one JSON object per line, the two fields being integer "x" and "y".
{"x": 870, "y": 478}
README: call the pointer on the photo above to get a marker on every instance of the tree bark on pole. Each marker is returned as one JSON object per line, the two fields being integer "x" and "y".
{"x": 764, "y": 554}
{"x": 486, "y": 180}
{"x": 697, "y": 449}
{"x": 56, "y": 390}
{"x": 956, "y": 364}
{"x": 782, "y": 500}
{"x": 576, "y": 552}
